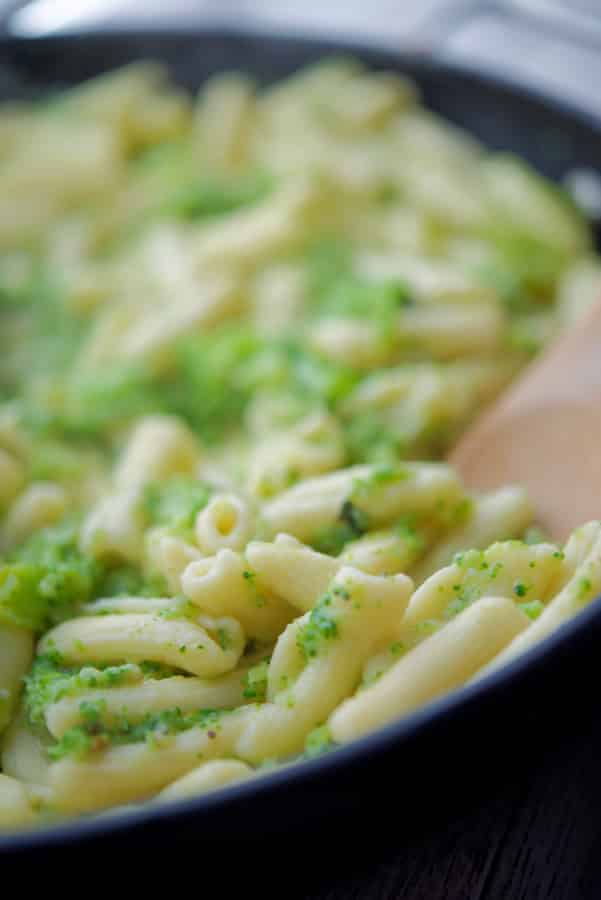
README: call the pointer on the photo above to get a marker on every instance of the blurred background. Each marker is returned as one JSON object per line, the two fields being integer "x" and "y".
{"x": 553, "y": 45}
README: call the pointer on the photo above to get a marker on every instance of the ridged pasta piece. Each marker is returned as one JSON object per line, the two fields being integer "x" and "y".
{"x": 291, "y": 570}
{"x": 136, "y": 637}
{"x": 207, "y": 777}
{"x": 317, "y": 660}
{"x": 225, "y": 585}
{"x": 114, "y": 527}
{"x": 504, "y": 514}
{"x": 441, "y": 663}
{"x": 16, "y": 654}
{"x": 510, "y": 569}
{"x": 381, "y": 493}
{"x": 186, "y": 693}
{"x": 387, "y": 552}
{"x": 157, "y": 448}
{"x": 132, "y": 772}
{"x": 583, "y": 566}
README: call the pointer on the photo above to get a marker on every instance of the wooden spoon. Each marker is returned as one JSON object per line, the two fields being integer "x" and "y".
{"x": 545, "y": 433}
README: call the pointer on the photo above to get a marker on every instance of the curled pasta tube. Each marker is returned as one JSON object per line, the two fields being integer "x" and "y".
{"x": 291, "y": 570}
{"x": 224, "y": 585}
{"x": 16, "y": 653}
{"x": 159, "y": 446}
{"x": 225, "y": 521}
{"x": 207, "y": 649}
{"x": 583, "y": 562}
{"x": 15, "y": 806}
{"x": 443, "y": 662}
{"x": 131, "y": 772}
{"x": 318, "y": 659}
{"x": 207, "y": 777}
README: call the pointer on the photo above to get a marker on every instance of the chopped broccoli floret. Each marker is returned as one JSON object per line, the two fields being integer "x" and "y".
{"x": 321, "y": 626}
{"x": 318, "y": 741}
{"x": 47, "y": 579}
{"x": 255, "y": 682}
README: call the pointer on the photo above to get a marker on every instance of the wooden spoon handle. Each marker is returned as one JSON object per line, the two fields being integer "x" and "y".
{"x": 545, "y": 433}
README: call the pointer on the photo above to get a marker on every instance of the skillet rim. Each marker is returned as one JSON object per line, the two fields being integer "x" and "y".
{"x": 461, "y": 703}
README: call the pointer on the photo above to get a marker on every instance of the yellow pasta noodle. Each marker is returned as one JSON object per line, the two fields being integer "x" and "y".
{"x": 442, "y": 662}
{"x": 205, "y": 778}
{"x": 142, "y": 636}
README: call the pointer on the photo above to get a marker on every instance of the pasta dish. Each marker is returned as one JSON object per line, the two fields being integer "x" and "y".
{"x": 239, "y": 334}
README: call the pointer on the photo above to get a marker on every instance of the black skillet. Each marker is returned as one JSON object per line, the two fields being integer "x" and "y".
{"x": 415, "y": 772}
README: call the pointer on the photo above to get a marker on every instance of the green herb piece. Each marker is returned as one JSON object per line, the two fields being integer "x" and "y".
{"x": 318, "y": 742}
{"x": 321, "y": 627}
{"x": 92, "y": 735}
{"x": 46, "y": 580}
{"x": 255, "y": 682}
{"x": 352, "y": 523}
{"x": 532, "y": 608}
{"x": 49, "y": 680}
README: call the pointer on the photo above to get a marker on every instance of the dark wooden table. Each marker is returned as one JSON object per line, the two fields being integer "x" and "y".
{"x": 537, "y": 837}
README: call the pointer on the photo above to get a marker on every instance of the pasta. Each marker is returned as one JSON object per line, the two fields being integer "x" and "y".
{"x": 239, "y": 334}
